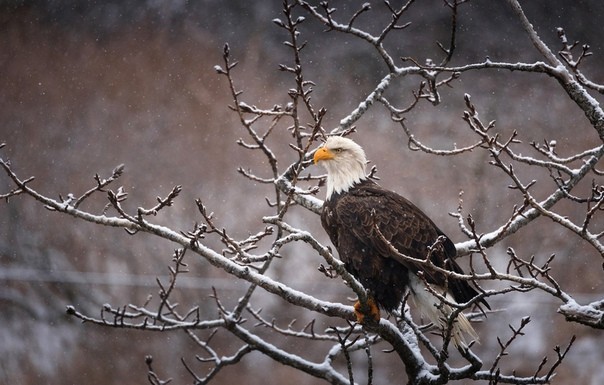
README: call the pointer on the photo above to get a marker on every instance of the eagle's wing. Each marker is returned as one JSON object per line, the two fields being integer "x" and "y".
{"x": 373, "y": 214}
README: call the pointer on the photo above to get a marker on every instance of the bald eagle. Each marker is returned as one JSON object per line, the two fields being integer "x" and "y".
{"x": 371, "y": 227}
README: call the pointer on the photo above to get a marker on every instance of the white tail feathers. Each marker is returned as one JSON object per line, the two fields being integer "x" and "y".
{"x": 437, "y": 312}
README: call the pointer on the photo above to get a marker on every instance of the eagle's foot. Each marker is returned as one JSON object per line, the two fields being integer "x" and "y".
{"x": 368, "y": 313}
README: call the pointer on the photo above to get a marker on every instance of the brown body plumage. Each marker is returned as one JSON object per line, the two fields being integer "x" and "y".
{"x": 371, "y": 227}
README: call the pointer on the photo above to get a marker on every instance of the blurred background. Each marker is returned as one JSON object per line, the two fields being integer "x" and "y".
{"x": 88, "y": 85}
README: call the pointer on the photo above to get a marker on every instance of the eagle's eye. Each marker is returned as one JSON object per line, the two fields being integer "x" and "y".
{"x": 337, "y": 150}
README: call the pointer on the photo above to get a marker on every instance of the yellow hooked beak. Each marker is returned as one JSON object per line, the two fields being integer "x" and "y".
{"x": 322, "y": 153}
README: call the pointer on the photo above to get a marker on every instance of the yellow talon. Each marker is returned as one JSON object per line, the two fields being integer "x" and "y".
{"x": 371, "y": 310}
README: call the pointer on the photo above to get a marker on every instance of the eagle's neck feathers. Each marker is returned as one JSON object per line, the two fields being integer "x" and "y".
{"x": 343, "y": 175}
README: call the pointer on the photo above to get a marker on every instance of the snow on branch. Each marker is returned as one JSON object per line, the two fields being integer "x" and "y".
{"x": 524, "y": 216}
{"x": 248, "y": 260}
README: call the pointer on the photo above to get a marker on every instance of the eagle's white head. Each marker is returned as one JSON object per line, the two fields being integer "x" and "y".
{"x": 344, "y": 161}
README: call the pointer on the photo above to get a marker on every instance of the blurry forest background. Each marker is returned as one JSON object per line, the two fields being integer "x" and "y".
{"x": 87, "y": 85}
